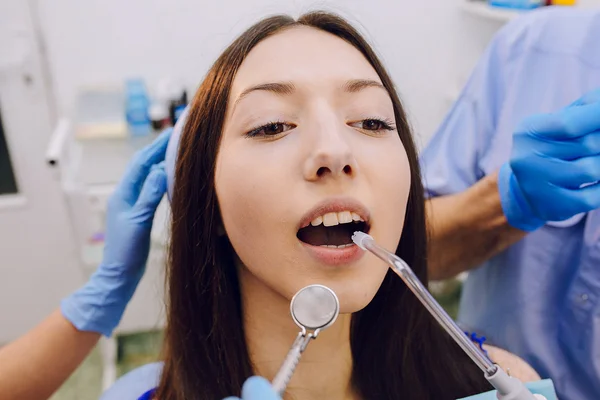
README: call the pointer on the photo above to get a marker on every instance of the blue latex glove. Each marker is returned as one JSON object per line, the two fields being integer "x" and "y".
{"x": 554, "y": 167}
{"x": 256, "y": 388}
{"x": 99, "y": 305}
{"x": 544, "y": 387}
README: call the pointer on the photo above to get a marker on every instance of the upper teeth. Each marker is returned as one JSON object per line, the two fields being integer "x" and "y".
{"x": 336, "y": 218}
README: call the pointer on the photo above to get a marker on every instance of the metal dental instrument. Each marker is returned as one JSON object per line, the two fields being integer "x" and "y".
{"x": 508, "y": 388}
{"x": 313, "y": 308}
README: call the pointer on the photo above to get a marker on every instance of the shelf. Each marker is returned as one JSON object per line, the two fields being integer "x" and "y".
{"x": 482, "y": 9}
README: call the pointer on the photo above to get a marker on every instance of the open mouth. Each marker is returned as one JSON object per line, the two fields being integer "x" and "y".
{"x": 333, "y": 229}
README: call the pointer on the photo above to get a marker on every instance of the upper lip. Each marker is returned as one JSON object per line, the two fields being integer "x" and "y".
{"x": 335, "y": 205}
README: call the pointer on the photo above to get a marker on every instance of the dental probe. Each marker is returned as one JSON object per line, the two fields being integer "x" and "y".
{"x": 508, "y": 388}
{"x": 314, "y": 308}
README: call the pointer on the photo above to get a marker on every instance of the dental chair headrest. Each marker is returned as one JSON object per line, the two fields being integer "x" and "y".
{"x": 172, "y": 150}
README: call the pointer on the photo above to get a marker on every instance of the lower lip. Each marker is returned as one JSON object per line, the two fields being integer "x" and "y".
{"x": 334, "y": 257}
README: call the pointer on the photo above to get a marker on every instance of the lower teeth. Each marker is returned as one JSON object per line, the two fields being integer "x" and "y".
{"x": 332, "y": 246}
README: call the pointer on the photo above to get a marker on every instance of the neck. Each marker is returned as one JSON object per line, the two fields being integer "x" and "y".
{"x": 325, "y": 369}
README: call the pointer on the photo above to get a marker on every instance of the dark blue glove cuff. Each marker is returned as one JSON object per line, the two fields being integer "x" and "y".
{"x": 517, "y": 210}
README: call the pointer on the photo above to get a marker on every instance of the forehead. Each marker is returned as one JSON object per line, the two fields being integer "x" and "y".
{"x": 302, "y": 55}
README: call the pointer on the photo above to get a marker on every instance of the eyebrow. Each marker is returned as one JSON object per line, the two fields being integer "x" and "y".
{"x": 288, "y": 88}
{"x": 356, "y": 85}
{"x": 280, "y": 88}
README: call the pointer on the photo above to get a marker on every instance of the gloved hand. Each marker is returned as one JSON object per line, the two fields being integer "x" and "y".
{"x": 99, "y": 305}
{"x": 256, "y": 388}
{"x": 554, "y": 167}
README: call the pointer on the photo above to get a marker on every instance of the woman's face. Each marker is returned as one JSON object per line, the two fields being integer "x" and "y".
{"x": 309, "y": 151}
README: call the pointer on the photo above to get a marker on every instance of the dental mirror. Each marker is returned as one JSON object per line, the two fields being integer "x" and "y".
{"x": 313, "y": 308}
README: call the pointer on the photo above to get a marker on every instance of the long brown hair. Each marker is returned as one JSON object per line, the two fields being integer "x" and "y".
{"x": 399, "y": 352}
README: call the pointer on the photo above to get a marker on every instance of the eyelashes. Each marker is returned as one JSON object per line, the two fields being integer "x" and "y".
{"x": 374, "y": 124}
{"x": 270, "y": 129}
{"x": 274, "y": 129}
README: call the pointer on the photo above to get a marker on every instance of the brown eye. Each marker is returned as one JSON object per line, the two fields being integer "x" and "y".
{"x": 372, "y": 125}
{"x": 273, "y": 129}
{"x": 270, "y": 129}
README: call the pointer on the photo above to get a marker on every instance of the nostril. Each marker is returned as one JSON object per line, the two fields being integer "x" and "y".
{"x": 348, "y": 170}
{"x": 322, "y": 171}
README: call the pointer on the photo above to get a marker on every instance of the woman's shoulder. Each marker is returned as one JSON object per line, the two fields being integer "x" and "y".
{"x": 512, "y": 364}
{"x": 135, "y": 383}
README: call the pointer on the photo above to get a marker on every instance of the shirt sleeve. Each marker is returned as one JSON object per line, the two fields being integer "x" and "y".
{"x": 451, "y": 161}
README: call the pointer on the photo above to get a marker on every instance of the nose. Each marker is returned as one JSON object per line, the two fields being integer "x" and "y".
{"x": 331, "y": 155}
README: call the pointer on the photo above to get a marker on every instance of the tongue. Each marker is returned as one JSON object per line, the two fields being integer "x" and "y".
{"x": 336, "y": 235}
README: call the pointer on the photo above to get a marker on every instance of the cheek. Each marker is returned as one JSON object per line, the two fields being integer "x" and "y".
{"x": 388, "y": 181}
{"x": 241, "y": 196}
{"x": 391, "y": 182}
{"x": 399, "y": 183}
{"x": 251, "y": 205}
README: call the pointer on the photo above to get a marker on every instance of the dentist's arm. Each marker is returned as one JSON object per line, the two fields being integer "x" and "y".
{"x": 467, "y": 229}
{"x": 34, "y": 366}
{"x": 553, "y": 174}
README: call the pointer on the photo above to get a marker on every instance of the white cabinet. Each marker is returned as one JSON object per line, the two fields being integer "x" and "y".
{"x": 88, "y": 171}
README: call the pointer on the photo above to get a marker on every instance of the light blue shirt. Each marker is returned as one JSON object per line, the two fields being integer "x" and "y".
{"x": 540, "y": 298}
{"x": 544, "y": 387}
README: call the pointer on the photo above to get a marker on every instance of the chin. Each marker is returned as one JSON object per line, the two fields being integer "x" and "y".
{"x": 353, "y": 305}
{"x": 355, "y": 294}
{"x": 351, "y": 302}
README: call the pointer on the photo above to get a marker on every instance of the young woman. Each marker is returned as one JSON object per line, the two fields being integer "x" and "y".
{"x": 295, "y": 139}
